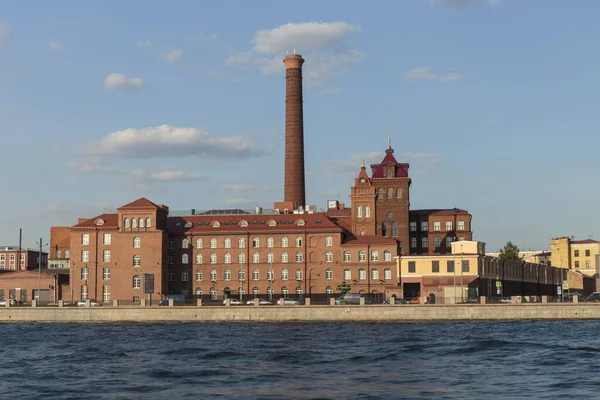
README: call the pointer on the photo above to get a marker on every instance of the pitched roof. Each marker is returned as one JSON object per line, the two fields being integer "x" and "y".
{"x": 585, "y": 241}
{"x": 108, "y": 221}
{"x": 341, "y": 212}
{"x": 343, "y": 222}
{"x": 401, "y": 168}
{"x": 371, "y": 239}
{"x": 206, "y": 224}
{"x": 140, "y": 203}
{"x": 438, "y": 211}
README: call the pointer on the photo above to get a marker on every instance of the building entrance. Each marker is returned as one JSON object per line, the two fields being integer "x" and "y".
{"x": 411, "y": 290}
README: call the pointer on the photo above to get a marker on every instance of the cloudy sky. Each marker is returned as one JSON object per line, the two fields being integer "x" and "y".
{"x": 494, "y": 104}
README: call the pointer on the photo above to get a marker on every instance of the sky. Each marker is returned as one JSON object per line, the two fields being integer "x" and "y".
{"x": 492, "y": 102}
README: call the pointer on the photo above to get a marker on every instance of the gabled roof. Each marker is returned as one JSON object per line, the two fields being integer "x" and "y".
{"x": 339, "y": 212}
{"x": 585, "y": 241}
{"x": 401, "y": 168}
{"x": 140, "y": 203}
{"x": 108, "y": 221}
{"x": 343, "y": 222}
{"x": 240, "y": 224}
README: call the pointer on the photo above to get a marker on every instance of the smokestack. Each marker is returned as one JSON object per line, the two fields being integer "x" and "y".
{"x": 294, "y": 190}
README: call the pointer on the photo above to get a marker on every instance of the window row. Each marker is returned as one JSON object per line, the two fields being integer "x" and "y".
{"x": 437, "y": 226}
{"x": 437, "y": 242}
{"x": 435, "y": 266}
{"x": 381, "y": 192}
{"x": 255, "y": 243}
{"x": 576, "y": 253}
{"x": 106, "y": 240}
{"x": 137, "y": 223}
{"x": 285, "y": 275}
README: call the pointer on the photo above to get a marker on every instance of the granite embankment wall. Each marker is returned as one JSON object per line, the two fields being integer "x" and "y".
{"x": 303, "y": 313}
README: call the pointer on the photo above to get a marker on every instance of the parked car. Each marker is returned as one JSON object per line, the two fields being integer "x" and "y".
{"x": 262, "y": 302}
{"x": 350, "y": 298}
{"x": 290, "y": 302}
{"x": 415, "y": 300}
{"x": 594, "y": 297}
{"x": 93, "y": 303}
{"x": 233, "y": 301}
{"x": 396, "y": 301}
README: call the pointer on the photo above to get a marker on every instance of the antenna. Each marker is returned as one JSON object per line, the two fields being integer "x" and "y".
{"x": 363, "y": 163}
{"x": 294, "y": 51}
{"x": 389, "y": 143}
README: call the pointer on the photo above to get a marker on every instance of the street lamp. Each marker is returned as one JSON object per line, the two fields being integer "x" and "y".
{"x": 240, "y": 276}
{"x": 270, "y": 274}
{"x": 462, "y": 290}
{"x": 40, "y": 243}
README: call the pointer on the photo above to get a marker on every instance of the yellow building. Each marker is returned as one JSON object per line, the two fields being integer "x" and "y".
{"x": 578, "y": 255}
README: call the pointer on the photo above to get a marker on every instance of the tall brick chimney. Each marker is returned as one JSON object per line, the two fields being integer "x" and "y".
{"x": 294, "y": 190}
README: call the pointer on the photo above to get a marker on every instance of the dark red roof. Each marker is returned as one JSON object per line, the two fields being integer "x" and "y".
{"x": 371, "y": 239}
{"x": 438, "y": 211}
{"x": 141, "y": 203}
{"x": 256, "y": 222}
{"x": 343, "y": 212}
{"x": 343, "y": 222}
{"x": 401, "y": 168}
{"x": 109, "y": 221}
{"x": 585, "y": 241}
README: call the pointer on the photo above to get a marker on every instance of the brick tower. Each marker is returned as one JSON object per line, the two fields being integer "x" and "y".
{"x": 294, "y": 190}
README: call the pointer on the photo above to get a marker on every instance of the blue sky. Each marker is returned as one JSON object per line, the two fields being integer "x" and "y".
{"x": 492, "y": 102}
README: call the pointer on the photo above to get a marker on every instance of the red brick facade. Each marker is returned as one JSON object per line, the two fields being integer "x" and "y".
{"x": 432, "y": 231}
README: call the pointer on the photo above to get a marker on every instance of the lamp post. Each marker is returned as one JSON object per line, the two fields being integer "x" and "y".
{"x": 40, "y": 243}
{"x": 240, "y": 276}
{"x": 454, "y": 268}
{"x": 270, "y": 274}
{"x": 462, "y": 290}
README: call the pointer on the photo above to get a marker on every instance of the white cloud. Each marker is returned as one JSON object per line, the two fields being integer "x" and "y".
{"x": 4, "y": 36}
{"x": 118, "y": 81}
{"x": 145, "y": 44}
{"x": 426, "y": 74}
{"x": 138, "y": 175}
{"x": 54, "y": 46}
{"x": 461, "y": 3}
{"x": 170, "y": 141}
{"x": 321, "y": 69}
{"x": 174, "y": 55}
{"x": 237, "y": 188}
{"x": 304, "y": 37}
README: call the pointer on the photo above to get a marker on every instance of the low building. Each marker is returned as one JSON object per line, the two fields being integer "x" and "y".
{"x": 29, "y": 258}
{"x": 578, "y": 255}
{"x": 23, "y": 285}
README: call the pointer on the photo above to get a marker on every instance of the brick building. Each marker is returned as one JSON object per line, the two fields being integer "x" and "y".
{"x": 28, "y": 258}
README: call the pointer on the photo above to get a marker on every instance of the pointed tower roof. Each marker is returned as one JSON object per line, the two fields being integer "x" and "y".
{"x": 140, "y": 203}
{"x": 400, "y": 169}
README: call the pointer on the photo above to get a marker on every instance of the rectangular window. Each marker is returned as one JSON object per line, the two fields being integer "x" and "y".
{"x": 362, "y": 274}
{"x": 587, "y": 252}
{"x": 136, "y": 299}
{"x": 413, "y": 226}
{"x": 374, "y": 255}
{"x": 58, "y": 254}
{"x": 171, "y": 260}
{"x": 425, "y": 243}
{"x": 448, "y": 226}
{"x": 105, "y": 293}
{"x": 413, "y": 242}
{"x": 171, "y": 276}
{"x": 461, "y": 225}
{"x": 465, "y": 266}
{"x": 587, "y": 263}
{"x": 85, "y": 238}
{"x": 1, "y": 293}
{"x": 436, "y": 226}
{"x": 171, "y": 244}
{"x": 85, "y": 256}
{"x": 184, "y": 276}
{"x": 387, "y": 274}
{"x": 347, "y": 274}
{"x": 437, "y": 242}
{"x": 84, "y": 292}
{"x": 107, "y": 238}
{"x": 412, "y": 267}
{"x": 424, "y": 226}
{"x": 450, "y": 266}
{"x": 106, "y": 256}
{"x": 84, "y": 274}
{"x": 106, "y": 274}
{"x": 23, "y": 295}
{"x": 399, "y": 193}
{"x": 435, "y": 266}
{"x": 576, "y": 264}
{"x": 576, "y": 253}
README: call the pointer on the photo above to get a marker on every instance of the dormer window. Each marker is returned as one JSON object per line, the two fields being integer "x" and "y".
{"x": 216, "y": 224}
{"x": 389, "y": 172}
{"x": 272, "y": 223}
{"x": 243, "y": 223}
{"x": 99, "y": 222}
{"x": 300, "y": 222}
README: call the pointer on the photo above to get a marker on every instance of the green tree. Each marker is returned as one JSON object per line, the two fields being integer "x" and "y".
{"x": 343, "y": 288}
{"x": 510, "y": 251}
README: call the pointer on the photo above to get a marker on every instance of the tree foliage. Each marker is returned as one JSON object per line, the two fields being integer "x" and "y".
{"x": 510, "y": 251}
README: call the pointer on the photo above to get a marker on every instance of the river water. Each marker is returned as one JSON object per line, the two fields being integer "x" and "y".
{"x": 461, "y": 360}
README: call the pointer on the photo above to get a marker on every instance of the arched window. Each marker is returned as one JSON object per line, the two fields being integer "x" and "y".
{"x": 374, "y": 255}
{"x": 185, "y": 244}
{"x": 390, "y": 193}
{"x": 137, "y": 242}
{"x": 126, "y": 222}
{"x": 359, "y": 211}
{"x": 199, "y": 276}
{"x": 329, "y": 274}
{"x": 329, "y": 257}
{"x": 213, "y": 275}
{"x": 384, "y": 229}
{"x": 329, "y": 291}
{"x": 380, "y": 193}
{"x": 387, "y": 255}
{"x": 284, "y": 241}
{"x": 241, "y": 243}
{"x": 137, "y": 282}
{"x": 213, "y": 258}
{"x": 270, "y": 258}
{"x": 298, "y": 274}
{"x": 184, "y": 259}
{"x": 270, "y": 275}
{"x": 213, "y": 243}
{"x": 347, "y": 256}
{"x": 284, "y": 274}
{"x": 241, "y": 275}
{"x": 141, "y": 222}
{"x": 255, "y": 258}
{"x": 375, "y": 274}
{"x": 198, "y": 293}
{"x": 270, "y": 242}
{"x": 284, "y": 291}
{"x": 137, "y": 261}
{"x": 148, "y": 223}
{"x": 387, "y": 273}
{"x": 255, "y": 291}
{"x": 241, "y": 258}
{"x": 328, "y": 241}
{"x": 227, "y": 243}
{"x": 198, "y": 258}
{"x": 255, "y": 242}
{"x": 198, "y": 243}
{"x": 299, "y": 241}
{"x": 213, "y": 293}
{"x": 299, "y": 290}
{"x": 394, "y": 229}
{"x": 367, "y": 211}
{"x": 255, "y": 275}
{"x": 227, "y": 258}
{"x": 227, "y": 275}
{"x": 299, "y": 257}
{"x": 133, "y": 223}
{"x": 362, "y": 256}
{"x": 399, "y": 193}
{"x": 347, "y": 274}
{"x": 284, "y": 257}
{"x": 362, "y": 274}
